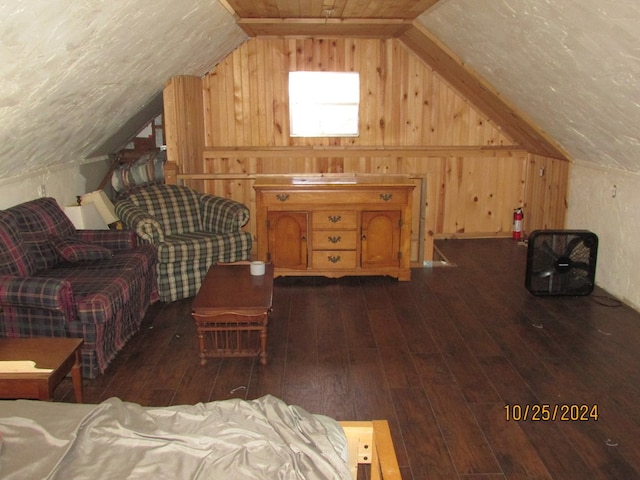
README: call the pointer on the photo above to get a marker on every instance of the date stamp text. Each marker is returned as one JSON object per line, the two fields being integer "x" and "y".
{"x": 546, "y": 412}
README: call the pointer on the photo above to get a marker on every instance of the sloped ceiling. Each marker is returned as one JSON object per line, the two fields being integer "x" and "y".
{"x": 572, "y": 67}
{"x": 74, "y": 73}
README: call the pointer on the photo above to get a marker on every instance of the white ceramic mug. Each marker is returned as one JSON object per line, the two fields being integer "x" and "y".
{"x": 256, "y": 268}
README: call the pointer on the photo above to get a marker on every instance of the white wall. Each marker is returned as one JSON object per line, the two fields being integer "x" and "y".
{"x": 63, "y": 183}
{"x": 593, "y": 206}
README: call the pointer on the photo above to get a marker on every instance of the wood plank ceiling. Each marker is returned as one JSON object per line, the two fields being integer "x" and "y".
{"x": 391, "y": 19}
{"x": 371, "y": 18}
{"x": 407, "y": 9}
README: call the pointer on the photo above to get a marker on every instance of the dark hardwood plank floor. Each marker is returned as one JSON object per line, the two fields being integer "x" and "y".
{"x": 439, "y": 357}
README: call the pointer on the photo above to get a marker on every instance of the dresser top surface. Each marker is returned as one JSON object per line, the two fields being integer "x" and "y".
{"x": 331, "y": 180}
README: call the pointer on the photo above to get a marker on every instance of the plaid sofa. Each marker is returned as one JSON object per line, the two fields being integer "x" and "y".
{"x": 56, "y": 281}
{"x": 191, "y": 231}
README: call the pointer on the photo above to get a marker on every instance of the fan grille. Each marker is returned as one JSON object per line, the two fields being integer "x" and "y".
{"x": 561, "y": 262}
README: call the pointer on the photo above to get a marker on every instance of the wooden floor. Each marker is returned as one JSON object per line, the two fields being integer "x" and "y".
{"x": 445, "y": 358}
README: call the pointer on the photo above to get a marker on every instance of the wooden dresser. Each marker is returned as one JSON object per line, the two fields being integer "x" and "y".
{"x": 335, "y": 225}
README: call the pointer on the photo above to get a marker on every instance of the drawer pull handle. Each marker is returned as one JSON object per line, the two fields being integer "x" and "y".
{"x": 386, "y": 196}
{"x": 334, "y": 218}
{"x": 334, "y": 258}
{"x": 283, "y": 197}
{"x": 334, "y": 239}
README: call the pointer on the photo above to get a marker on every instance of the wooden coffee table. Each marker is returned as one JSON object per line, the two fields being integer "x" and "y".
{"x": 231, "y": 312}
{"x": 61, "y": 355}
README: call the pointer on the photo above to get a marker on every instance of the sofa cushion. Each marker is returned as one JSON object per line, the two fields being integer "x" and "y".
{"x": 14, "y": 254}
{"x": 177, "y": 208}
{"x": 222, "y": 247}
{"x": 38, "y": 221}
{"x": 73, "y": 250}
{"x": 102, "y": 288}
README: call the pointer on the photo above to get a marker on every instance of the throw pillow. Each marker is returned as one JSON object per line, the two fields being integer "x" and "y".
{"x": 73, "y": 250}
{"x": 38, "y": 220}
{"x": 15, "y": 258}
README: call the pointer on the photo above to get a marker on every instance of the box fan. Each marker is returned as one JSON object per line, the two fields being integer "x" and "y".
{"x": 561, "y": 262}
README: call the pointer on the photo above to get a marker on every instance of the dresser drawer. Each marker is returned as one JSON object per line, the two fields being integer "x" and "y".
{"x": 380, "y": 196}
{"x": 334, "y": 259}
{"x": 388, "y": 196}
{"x": 334, "y": 240}
{"x": 334, "y": 219}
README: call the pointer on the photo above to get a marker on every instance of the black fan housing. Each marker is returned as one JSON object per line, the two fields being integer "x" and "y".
{"x": 561, "y": 262}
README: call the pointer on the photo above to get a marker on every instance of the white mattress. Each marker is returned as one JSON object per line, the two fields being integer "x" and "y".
{"x": 258, "y": 439}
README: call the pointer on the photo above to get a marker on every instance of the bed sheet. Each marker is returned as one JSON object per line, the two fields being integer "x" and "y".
{"x": 255, "y": 439}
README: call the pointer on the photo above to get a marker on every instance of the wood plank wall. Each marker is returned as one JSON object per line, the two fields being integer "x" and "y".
{"x": 545, "y": 201}
{"x": 184, "y": 121}
{"x": 469, "y": 175}
{"x": 403, "y": 102}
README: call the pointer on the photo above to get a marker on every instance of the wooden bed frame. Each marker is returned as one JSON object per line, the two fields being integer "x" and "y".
{"x": 370, "y": 443}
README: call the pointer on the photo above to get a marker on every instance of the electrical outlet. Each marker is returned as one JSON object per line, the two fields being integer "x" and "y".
{"x": 42, "y": 190}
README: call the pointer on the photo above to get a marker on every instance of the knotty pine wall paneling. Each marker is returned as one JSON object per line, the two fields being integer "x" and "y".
{"x": 469, "y": 174}
{"x": 184, "y": 122}
{"x": 403, "y": 102}
{"x": 545, "y": 200}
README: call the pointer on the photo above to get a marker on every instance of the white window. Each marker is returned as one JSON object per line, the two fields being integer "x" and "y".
{"x": 324, "y": 104}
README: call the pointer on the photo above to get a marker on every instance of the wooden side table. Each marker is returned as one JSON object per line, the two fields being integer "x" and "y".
{"x": 61, "y": 355}
{"x": 231, "y": 312}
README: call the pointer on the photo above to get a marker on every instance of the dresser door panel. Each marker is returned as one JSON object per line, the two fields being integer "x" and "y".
{"x": 381, "y": 239}
{"x": 288, "y": 239}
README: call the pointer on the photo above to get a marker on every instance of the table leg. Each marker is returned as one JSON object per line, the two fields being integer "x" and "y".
{"x": 263, "y": 345}
{"x": 45, "y": 391}
{"x": 203, "y": 355}
{"x": 76, "y": 376}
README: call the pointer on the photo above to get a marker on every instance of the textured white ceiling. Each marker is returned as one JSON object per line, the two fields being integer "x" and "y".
{"x": 73, "y": 72}
{"x": 571, "y": 66}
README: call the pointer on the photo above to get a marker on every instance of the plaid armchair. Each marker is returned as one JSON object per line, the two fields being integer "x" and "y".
{"x": 191, "y": 231}
{"x": 56, "y": 281}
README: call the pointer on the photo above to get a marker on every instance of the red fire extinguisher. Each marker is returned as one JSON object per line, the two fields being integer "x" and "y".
{"x": 518, "y": 215}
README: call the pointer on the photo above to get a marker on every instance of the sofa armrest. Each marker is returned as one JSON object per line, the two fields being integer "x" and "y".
{"x": 222, "y": 215}
{"x": 111, "y": 239}
{"x": 37, "y": 293}
{"x": 145, "y": 225}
